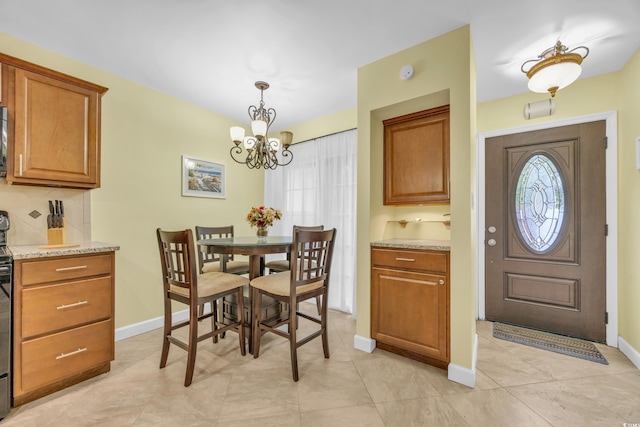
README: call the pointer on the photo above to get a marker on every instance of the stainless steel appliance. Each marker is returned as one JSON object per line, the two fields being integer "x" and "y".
{"x": 6, "y": 316}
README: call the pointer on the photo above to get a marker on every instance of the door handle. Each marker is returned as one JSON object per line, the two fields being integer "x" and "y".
{"x": 491, "y": 242}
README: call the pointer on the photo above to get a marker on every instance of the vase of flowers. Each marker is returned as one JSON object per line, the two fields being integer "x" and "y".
{"x": 263, "y": 218}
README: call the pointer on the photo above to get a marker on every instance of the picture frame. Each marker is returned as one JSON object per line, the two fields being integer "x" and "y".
{"x": 202, "y": 178}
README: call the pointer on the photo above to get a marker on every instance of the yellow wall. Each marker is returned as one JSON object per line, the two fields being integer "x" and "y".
{"x": 334, "y": 123}
{"x": 144, "y": 134}
{"x": 629, "y": 204}
{"x": 585, "y": 96}
{"x": 442, "y": 70}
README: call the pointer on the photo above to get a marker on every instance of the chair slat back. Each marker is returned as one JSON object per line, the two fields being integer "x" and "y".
{"x": 178, "y": 262}
{"x": 212, "y": 233}
{"x": 311, "y": 255}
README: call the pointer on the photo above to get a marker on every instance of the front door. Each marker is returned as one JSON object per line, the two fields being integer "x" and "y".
{"x": 545, "y": 230}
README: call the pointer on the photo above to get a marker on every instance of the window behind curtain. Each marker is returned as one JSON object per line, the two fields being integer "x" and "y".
{"x": 319, "y": 187}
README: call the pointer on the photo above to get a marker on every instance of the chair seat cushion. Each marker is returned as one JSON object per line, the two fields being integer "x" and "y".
{"x": 279, "y": 284}
{"x": 233, "y": 267}
{"x": 213, "y": 283}
{"x": 278, "y": 265}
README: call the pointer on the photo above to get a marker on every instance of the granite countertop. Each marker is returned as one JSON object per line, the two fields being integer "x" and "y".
{"x": 434, "y": 245}
{"x": 37, "y": 251}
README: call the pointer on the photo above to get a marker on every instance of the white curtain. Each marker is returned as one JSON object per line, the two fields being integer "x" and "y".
{"x": 319, "y": 188}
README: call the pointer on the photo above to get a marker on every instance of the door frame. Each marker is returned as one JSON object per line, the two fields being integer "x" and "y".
{"x": 611, "y": 119}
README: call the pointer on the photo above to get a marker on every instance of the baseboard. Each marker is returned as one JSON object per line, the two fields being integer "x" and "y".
{"x": 629, "y": 351}
{"x": 364, "y": 344}
{"x": 148, "y": 325}
{"x": 462, "y": 375}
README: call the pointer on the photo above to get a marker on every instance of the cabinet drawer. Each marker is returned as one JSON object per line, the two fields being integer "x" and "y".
{"x": 54, "y": 270}
{"x": 55, "y": 357}
{"x": 55, "y": 307}
{"x": 410, "y": 260}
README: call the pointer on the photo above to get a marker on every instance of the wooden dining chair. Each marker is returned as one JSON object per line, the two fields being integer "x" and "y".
{"x": 209, "y": 262}
{"x": 308, "y": 277}
{"x": 182, "y": 283}
{"x": 278, "y": 265}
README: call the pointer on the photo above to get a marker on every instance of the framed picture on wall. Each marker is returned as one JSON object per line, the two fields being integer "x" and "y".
{"x": 201, "y": 178}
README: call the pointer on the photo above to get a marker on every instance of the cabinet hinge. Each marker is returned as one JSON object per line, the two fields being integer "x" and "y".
{"x": 606, "y": 142}
{"x": 606, "y": 229}
{"x": 606, "y": 318}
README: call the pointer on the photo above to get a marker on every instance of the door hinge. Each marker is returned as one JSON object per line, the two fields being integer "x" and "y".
{"x": 606, "y": 318}
{"x": 606, "y": 142}
{"x": 606, "y": 229}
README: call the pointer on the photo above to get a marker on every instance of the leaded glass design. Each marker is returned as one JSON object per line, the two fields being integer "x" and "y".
{"x": 540, "y": 203}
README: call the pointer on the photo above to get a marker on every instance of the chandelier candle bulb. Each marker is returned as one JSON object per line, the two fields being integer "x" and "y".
{"x": 533, "y": 110}
{"x": 237, "y": 134}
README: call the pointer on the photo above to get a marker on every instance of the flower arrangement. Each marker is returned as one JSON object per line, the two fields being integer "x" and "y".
{"x": 263, "y": 217}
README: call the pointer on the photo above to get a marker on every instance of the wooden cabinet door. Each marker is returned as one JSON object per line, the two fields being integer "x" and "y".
{"x": 56, "y": 132}
{"x": 409, "y": 311}
{"x": 3, "y": 85}
{"x": 416, "y": 158}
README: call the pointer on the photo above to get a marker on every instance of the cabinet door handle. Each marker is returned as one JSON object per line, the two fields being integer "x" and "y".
{"x": 441, "y": 281}
{"x": 63, "y": 355}
{"x": 75, "y": 304}
{"x": 20, "y": 167}
{"x": 405, "y": 259}
{"x": 77, "y": 267}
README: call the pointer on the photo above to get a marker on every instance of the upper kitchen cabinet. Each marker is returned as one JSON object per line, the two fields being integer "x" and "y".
{"x": 416, "y": 158}
{"x": 3, "y": 85}
{"x": 54, "y": 126}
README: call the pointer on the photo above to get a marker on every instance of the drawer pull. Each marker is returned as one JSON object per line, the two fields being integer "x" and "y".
{"x": 75, "y": 304}
{"x": 77, "y": 267}
{"x": 405, "y": 259}
{"x": 441, "y": 281}
{"x": 63, "y": 355}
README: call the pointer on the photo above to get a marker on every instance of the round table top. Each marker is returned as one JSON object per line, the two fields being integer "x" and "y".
{"x": 249, "y": 244}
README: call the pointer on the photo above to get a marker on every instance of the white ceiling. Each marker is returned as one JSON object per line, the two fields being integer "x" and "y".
{"x": 211, "y": 52}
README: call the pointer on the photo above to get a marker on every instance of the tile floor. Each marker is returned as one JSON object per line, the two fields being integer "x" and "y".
{"x": 515, "y": 386}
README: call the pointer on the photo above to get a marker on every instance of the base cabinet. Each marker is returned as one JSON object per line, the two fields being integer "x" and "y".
{"x": 63, "y": 322}
{"x": 410, "y": 303}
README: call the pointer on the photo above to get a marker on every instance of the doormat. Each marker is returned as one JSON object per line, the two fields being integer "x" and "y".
{"x": 546, "y": 341}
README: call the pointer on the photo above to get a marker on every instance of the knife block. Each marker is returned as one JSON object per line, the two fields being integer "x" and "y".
{"x": 56, "y": 236}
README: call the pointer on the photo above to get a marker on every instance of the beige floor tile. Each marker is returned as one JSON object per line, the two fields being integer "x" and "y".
{"x": 507, "y": 369}
{"x": 394, "y": 377}
{"x": 515, "y": 385}
{"x": 495, "y": 408}
{"x": 262, "y": 394}
{"x": 431, "y": 411}
{"x": 563, "y": 404}
{"x": 331, "y": 386}
{"x": 354, "y": 416}
{"x": 286, "y": 420}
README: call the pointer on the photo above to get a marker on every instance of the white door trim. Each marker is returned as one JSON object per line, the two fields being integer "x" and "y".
{"x": 611, "y": 118}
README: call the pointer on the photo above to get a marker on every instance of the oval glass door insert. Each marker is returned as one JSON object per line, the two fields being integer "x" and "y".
{"x": 540, "y": 203}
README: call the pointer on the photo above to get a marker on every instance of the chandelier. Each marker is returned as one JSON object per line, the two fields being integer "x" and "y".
{"x": 554, "y": 69}
{"x": 261, "y": 150}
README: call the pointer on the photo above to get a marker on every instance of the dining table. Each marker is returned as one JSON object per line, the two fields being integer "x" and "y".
{"x": 255, "y": 247}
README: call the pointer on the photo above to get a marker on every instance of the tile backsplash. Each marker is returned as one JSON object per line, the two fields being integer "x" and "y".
{"x": 28, "y": 228}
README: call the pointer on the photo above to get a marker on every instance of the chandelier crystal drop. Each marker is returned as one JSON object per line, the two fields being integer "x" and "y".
{"x": 554, "y": 69}
{"x": 261, "y": 150}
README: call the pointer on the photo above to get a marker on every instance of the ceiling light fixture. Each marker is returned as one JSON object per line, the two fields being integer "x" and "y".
{"x": 261, "y": 150}
{"x": 554, "y": 69}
